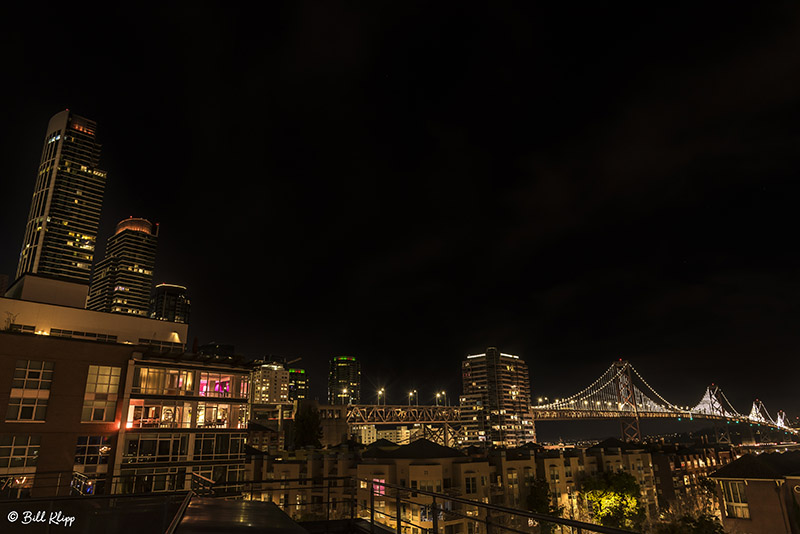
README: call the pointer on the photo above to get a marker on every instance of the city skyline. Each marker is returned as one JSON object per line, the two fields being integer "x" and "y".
{"x": 410, "y": 200}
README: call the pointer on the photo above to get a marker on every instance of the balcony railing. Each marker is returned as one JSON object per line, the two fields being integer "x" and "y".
{"x": 381, "y": 506}
{"x": 402, "y": 509}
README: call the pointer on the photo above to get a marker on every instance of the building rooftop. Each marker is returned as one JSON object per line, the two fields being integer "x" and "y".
{"x": 192, "y": 358}
{"x": 771, "y": 466}
{"x": 418, "y": 450}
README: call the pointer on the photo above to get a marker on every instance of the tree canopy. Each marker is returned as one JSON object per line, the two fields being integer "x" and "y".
{"x": 613, "y": 499}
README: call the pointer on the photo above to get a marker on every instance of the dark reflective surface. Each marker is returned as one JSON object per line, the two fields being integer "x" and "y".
{"x": 206, "y": 515}
{"x": 90, "y": 515}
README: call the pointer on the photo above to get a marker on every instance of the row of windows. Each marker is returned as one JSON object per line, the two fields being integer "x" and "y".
{"x": 155, "y": 448}
{"x": 155, "y": 479}
{"x": 32, "y": 380}
{"x": 146, "y": 413}
{"x": 20, "y": 409}
{"x": 218, "y": 447}
{"x": 145, "y": 448}
{"x": 23, "y": 451}
{"x": 160, "y": 381}
{"x": 19, "y": 451}
{"x": 57, "y": 332}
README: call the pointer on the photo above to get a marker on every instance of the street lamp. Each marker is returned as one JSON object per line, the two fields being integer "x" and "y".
{"x": 416, "y": 397}
{"x": 380, "y": 394}
{"x": 437, "y": 398}
{"x": 344, "y": 396}
{"x": 410, "y": 394}
{"x": 444, "y": 394}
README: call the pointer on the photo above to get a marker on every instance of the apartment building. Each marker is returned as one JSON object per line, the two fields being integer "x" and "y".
{"x": 185, "y": 414}
{"x": 301, "y": 481}
{"x": 426, "y": 466}
{"x": 615, "y": 455}
{"x": 97, "y": 417}
{"x": 679, "y": 470}
{"x": 760, "y": 493}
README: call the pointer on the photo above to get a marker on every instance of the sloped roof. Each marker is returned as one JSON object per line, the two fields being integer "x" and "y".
{"x": 383, "y": 442}
{"x": 773, "y": 465}
{"x": 418, "y": 450}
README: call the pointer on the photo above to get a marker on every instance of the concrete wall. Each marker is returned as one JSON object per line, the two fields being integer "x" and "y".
{"x": 127, "y": 328}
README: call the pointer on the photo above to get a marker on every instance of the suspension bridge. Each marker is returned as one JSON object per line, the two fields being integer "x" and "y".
{"x": 619, "y": 393}
{"x": 622, "y": 393}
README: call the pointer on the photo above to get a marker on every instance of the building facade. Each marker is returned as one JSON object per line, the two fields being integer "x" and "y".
{"x": 102, "y": 417}
{"x": 680, "y": 471}
{"x": 344, "y": 381}
{"x": 496, "y": 400}
{"x": 62, "y": 401}
{"x": 270, "y": 383}
{"x": 760, "y": 493}
{"x": 185, "y": 416}
{"x": 170, "y": 302}
{"x": 298, "y": 384}
{"x": 61, "y": 231}
{"x": 122, "y": 280}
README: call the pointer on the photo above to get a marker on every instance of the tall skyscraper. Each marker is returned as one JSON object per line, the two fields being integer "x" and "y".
{"x": 496, "y": 403}
{"x": 344, "y": 381}
{"x": 170, "y": 303}
{"x": 122, "y": 280}
{"x": 298, "y": 384}
{"x": 61, "y": 231}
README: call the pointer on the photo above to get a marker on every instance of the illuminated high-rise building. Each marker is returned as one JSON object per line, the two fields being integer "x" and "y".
{"x": 496, "y": 403}
{"x": 121, "y": 281}
{"x": 298, "y": 384}
{"x": 344, "y": 381}
{"x": 170, "y": 303}
{"x": 61, "y": 231}
{"x": 270, "y": 383}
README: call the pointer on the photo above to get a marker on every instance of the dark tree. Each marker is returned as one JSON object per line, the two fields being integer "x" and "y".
{"x": 308, "y": 428}
{"x": 702, "y": 524}
{"x": 540, "y": 500}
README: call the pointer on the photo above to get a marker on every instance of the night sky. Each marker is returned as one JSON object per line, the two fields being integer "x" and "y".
{"x": 409, "y": 183}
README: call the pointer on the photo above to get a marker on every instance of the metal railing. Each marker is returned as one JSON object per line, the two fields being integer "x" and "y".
{"x": 402, "y": 509}
{"x": 381, "y": 506}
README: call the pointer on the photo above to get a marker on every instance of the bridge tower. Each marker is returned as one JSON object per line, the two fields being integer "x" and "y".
{"x": 626, "y": 400}
{"x": 721, "y": 432}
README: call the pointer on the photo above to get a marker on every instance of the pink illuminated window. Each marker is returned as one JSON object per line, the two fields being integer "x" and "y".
{"x": 215, "y": 385}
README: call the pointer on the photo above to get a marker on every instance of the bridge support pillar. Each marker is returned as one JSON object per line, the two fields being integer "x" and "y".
{"x": 626, "y": 399}
{"x": 721, "y": 432}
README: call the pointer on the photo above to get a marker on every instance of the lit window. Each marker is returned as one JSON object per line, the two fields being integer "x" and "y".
{"x": 735, "y": 499}
{"x": 100, "y": 398}
{"x": 30, "y": 391}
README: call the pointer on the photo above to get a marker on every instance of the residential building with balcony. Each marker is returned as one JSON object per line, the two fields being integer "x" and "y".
{"x": 99, "y": 417}
{"x": 185, "y": 414}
